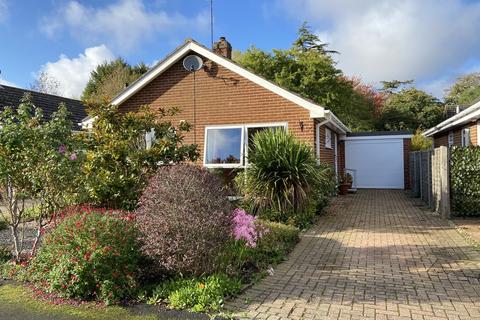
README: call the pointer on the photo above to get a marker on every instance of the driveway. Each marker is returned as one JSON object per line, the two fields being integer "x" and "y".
{"x": 376, "y": 255}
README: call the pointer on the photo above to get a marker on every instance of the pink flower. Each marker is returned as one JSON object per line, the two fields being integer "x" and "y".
{"x": 62, "y": 149}
{"x": 73, "y": 156}
{"x": 244, "y": 228}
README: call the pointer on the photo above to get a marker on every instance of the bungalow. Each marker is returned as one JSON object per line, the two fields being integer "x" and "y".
{"x": 226, "y": 104}
{"x": 11, "y": 97}
{"x": 460, "y": 130}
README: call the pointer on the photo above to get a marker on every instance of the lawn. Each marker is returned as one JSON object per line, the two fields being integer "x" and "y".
{"x": 18, "y": 302}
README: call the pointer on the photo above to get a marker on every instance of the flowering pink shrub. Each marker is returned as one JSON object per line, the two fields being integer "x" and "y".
{"x": 90, "y": 255}
{"x": 244, "y": 228}
{"x": 185, "y": 219}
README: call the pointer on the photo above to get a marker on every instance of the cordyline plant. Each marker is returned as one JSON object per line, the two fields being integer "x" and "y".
{"x": 118, "y": 164}
{"x": 38, "y": 167}
{"x": 283, "y": 174}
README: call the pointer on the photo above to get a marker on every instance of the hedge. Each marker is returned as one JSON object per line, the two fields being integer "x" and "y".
{"x": 465, "y": 181}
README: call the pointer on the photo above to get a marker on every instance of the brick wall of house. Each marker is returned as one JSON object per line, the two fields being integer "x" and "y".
{"x": 407, "y": 148}
{"x": 442, "y": 138}
{"x": 327, "y": 155}
{"x": 222, "y": 98}
{"x": 341, "y": 157}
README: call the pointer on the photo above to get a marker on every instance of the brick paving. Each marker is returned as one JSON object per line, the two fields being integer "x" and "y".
{"x": 377, "y": 255}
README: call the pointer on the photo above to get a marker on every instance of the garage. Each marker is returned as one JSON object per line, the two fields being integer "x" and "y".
{"x": 376, "y": 160}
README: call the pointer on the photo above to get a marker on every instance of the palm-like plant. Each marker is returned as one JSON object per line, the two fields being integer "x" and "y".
{"x": 283, "y": 174}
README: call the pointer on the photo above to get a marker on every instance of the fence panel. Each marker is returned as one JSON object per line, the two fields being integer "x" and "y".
{"x": 430, "y": 178}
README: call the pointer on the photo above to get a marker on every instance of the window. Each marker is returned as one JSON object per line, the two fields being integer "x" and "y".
{"x": 328, "y": 138}
{"x": 465, "y": 137}
{"x": 450, "y": 139}
{"x": 227, "y": 146}
{"x": 223, "y": 146}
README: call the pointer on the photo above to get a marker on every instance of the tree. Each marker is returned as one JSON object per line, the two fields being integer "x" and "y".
{"x": 109, "y": 79}
{"x": 118, "y": 163}
{"x": 38, "y": 166}
{"x": 465, "y": 91}
{"x": 45, "y": 83}
{"x": 393, "y": 86}
{"x": 420, "y": 142}
{"x": 410, "y": 109}
{"x": 308, "y": 69}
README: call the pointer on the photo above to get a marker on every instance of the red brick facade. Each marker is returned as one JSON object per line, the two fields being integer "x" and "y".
{"x": 222, "y": 98}
{"x": 441, "y": 139}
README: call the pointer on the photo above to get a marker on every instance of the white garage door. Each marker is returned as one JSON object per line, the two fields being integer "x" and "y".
{"x": 375, "y": 162}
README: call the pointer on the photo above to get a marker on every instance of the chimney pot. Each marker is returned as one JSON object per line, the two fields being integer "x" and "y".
{"x": 223, "y": 48}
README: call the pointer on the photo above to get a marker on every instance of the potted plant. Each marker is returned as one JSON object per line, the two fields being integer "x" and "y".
{"x": 344, "y": 184}
{"x": 349, "y": 180}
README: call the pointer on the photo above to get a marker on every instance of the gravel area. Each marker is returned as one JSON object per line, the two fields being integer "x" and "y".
{"x": 6, "y": 236}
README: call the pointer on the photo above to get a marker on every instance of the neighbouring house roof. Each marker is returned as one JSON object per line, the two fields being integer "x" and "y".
{"x": 316, "y": 111}
{"x": 468, "y": 115}
{"x": 11, "y": 97}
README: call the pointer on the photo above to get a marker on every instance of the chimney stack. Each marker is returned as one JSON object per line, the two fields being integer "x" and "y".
{"x": 223, "y": 48}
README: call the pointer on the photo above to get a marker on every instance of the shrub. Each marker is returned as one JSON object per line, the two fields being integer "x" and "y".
{"x": 185, "y": 219}
{"x": 420, "y": 142}
{"x": 465, "y": 181}
{"x": 284, "y": 178}
{"x": 271, "y": 248}
{"x": 196, "y": 294}
{"x": 89, "y": 255}
{"x": 5, "y": 254}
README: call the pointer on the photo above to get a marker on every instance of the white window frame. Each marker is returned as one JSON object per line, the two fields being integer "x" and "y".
{"x": 465, "y": 135}
{"x": 243, "y": 143}
{"x": 223, "y": 165}
{"x": 451, "y": 138}
{"x": 328, "y": 134}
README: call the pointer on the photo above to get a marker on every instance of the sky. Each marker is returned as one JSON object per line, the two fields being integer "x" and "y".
{"x": 430, "y": 41}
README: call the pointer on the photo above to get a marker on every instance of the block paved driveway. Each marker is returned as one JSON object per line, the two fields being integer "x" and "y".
{"x": 375, "y": 255}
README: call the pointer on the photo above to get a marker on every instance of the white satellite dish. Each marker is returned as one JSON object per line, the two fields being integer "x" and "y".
{"x": 192, "y": 63}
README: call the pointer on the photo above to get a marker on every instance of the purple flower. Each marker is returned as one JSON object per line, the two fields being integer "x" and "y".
{"x": 244, "y": 228}
{"x": 62, "y": 149}
{"x": 73, "y": 156}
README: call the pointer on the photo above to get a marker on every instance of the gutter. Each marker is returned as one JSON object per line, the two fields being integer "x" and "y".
{"x": 457, "y": 119}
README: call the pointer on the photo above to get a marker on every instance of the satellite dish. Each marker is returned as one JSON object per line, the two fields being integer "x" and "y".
{"x": 192, "y": 63}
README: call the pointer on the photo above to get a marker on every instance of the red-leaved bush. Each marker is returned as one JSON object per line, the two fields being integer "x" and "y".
{"x": 185, "y": 219}
{"x": 90, "y": 255}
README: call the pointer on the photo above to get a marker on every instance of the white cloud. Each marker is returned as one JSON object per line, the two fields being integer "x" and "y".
{"x": 3, "y": 10}
{"x": 73, "y": 73}
{"x": 121, "y": 25}
{"x": 390, "y": 39}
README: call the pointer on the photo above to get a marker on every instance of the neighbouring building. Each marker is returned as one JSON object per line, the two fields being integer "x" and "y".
{"x": 459, "y": 130}
{"x": 11, "y": 97}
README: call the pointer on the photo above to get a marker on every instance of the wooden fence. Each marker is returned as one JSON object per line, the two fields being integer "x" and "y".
{"x": 430, "y": 178}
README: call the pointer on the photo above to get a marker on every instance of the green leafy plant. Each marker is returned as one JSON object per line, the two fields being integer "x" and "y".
{"x": 195, "y": 294}
{"x": 420, "y": 142}
{"x": 465, "y": 181}
{"x": 283, "y": 178}
{"x": 39, "y": 165}
{"x": 89, "y": 255}
{"x": 118, "y": 164}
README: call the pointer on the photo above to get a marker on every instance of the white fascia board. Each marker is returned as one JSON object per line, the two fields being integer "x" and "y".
{"x": 386, "y": 137}
{"x": 315, "y": 110}
{"x": 336, "y": 122}
{"x": 465, "y": 116}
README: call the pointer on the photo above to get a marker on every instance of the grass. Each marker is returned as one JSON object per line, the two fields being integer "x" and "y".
{"x": 18, "y": 302}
